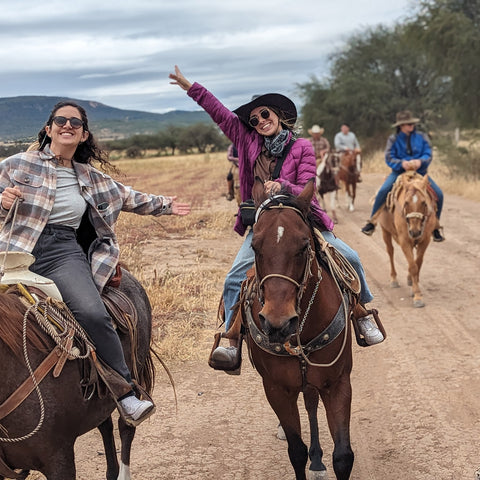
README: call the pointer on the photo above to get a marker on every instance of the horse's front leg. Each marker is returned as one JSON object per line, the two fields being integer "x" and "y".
{"x": 387, "y": 238}
{"x": 127, "y": 434}
{"x": 337, "y": 401}
{"x": 413, "y": 275}
{"x": 317, "y": 470}
{"x": 333, "y": 205}
{"x": 284, "y": 404}
{"x": 106, "y": 430}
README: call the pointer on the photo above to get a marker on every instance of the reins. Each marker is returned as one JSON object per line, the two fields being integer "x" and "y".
{"x": 299, "y": 349}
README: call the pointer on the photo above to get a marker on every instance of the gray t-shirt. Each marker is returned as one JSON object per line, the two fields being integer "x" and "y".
{"x": 69, "y": 205}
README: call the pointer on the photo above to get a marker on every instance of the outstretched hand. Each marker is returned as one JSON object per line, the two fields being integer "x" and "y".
{"x": 180, "y": 208}
{"x": 179, "y": 79}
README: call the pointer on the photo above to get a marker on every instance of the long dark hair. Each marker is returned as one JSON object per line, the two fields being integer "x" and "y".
{"x": 87, "y": 151}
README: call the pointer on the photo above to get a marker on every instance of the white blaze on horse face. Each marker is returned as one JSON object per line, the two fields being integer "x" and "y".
{"x": 280, "y": 231}
{"x": 415, "y": 198}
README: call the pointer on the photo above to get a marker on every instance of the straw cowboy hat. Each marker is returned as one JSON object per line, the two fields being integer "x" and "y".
{"x": 404, "y": 117}
{"x": 275, "y": 100}
{"x": 316, "y": 129}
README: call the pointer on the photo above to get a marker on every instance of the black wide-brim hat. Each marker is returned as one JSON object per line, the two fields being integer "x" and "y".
{"x": 275, "y": 100}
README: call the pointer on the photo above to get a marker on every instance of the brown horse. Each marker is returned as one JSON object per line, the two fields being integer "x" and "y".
{"x": 298, "y": 336}
{"x": 327, "y": 183}
{"x": 347, "y": 176}
{"x": 409, "y": 218}
{"x": 233, "y": 182}
{"x": 40, "y": 434}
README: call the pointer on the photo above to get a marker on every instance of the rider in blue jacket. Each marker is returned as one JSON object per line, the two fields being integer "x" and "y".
{"x": 406, "y": 150}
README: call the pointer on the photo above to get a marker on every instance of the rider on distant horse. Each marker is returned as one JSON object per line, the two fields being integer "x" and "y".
{"x": 406, "y": 150}
{"x": 344, "y": 141}
{"x": 322, "y": 148}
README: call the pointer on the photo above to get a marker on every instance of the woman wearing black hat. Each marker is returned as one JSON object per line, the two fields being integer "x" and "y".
{"x": 261, "y": 130}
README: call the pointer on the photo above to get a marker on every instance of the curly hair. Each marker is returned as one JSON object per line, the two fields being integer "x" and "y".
{"x": 87, "y": 151}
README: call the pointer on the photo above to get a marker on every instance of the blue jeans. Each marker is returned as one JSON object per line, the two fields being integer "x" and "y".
{"x": 245, "y": 259}
{"x": 60, "y": 258}
{"x": 382, "y": 194}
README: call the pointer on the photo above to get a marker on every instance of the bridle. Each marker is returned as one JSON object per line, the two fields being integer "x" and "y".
{"x": 421, "y": 216}
{"x": 307, "y": 271}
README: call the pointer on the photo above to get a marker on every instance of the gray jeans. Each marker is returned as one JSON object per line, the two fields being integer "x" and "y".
{"x": 60, "y": 258}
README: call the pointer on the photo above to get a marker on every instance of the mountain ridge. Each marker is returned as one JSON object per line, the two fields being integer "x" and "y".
{"x": 22, "y": 117}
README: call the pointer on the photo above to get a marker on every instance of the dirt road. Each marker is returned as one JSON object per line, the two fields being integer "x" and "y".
{"x": 416, "y": 403}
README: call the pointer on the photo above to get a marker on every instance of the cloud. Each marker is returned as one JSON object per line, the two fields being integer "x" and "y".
{"x": 120, "y": 52}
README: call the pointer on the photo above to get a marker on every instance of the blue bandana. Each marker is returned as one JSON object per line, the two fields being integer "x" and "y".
{"x": 276, "y": 144}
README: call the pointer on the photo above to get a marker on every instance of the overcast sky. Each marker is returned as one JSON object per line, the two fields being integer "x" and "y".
{"x": 120, "y": 52}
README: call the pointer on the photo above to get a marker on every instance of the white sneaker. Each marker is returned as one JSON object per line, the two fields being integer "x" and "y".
{"x": 369, "y": 330}
{"x": 225, "y": 354}
{"x": 135, "y": 410}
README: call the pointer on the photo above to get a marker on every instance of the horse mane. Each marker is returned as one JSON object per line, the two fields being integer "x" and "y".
{"x": 12, "y": 312}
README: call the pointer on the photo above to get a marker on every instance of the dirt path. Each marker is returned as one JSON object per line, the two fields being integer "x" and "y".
{"x": 416, "y": 406}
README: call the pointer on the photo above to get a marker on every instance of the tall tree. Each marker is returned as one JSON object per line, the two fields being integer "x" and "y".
{"x": 449, "y": 30}
{"x": 378, "y": 73}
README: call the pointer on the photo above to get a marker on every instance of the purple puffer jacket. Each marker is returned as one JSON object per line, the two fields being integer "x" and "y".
{"x": 298, "y": 168}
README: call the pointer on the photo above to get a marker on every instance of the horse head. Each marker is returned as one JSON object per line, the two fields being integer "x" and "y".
{"x": 283, "y": 247}
{"x": 417, "y": 204}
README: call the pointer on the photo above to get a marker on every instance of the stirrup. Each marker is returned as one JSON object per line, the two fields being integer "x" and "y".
{"x": 238, "y": 360}
{"x": 358, "y": 336}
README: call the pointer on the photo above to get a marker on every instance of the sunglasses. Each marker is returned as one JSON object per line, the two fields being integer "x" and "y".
{"x": 254, "y": 121}
{"x": 75, "y": 122}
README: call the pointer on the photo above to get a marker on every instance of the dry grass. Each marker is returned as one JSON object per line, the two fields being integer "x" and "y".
{"x": 184, "y": 298}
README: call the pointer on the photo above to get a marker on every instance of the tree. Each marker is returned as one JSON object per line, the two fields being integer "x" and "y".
{"x": 449, "y": 31}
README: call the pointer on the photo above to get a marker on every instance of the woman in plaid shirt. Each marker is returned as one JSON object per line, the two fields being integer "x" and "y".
{"x": 66, "y": 219}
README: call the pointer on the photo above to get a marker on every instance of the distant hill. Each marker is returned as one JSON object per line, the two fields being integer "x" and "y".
{"x": 22, "y": 117}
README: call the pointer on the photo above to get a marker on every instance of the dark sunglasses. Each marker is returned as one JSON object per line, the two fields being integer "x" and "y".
{"x": 75, "y": 122}
{"x": 254, "y": 121}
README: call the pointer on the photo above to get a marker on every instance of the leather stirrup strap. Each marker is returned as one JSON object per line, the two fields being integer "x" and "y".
{"x": 27, "y": 387}
{"x": 7, "y": 472}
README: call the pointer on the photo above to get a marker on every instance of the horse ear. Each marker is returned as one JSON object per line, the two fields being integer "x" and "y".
{"x": 258, "y": 192}
{"x": 305, "y": 197}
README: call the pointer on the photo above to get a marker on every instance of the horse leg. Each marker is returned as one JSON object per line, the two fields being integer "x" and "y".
{"x": 284, "y": 404}
{"x": 106, "y": 430}
{"x": 230, "y": 186}
{"x": 354, "y": 194}
{"x": 413, "y": 275}
{"x": 337, "y": 401}
{"x": 387, "y": 238}
{"x": 350, "y": 197}
{"x": 127, "y": 434}
{"x": 333, "y": 205}
{"x": 61, "y": 464}
{"x": 317, "y": 468}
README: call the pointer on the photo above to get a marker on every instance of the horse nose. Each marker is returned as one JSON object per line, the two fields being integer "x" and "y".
{"x": 280, "y": 330}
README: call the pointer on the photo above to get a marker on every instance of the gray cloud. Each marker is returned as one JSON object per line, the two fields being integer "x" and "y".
{"x": 120, "y": 52}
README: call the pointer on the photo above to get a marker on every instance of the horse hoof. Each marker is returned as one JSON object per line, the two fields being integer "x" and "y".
{"x": 281, "y": 433}
{"x": 394, "y": 284}
{"x": 317, "y": 475}
{"x": 418, "y": 303}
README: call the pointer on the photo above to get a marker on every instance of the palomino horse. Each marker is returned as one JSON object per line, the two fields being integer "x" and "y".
{"x": 299, "y": 337}
{"x": 40, "y": 434}
{"x": 409, "y": 218}
{"x": 347, "y": 176}
{"x": 327, "y": 183}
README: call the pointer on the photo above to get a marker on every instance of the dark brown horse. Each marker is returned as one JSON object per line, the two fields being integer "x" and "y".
{"x": 298, "y": 333}
{"x": 40, "y": 434}
{"x": 327, "y": 183}
{"x": 348, "y": 177}
{"x": 409, "y": 218}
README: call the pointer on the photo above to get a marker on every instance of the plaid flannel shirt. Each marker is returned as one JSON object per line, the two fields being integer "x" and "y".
{"x": 35, "y": 174}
